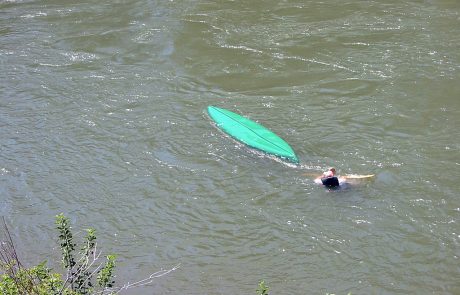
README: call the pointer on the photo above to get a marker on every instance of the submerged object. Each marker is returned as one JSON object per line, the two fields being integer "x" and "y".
{"x": 251, "y": 133}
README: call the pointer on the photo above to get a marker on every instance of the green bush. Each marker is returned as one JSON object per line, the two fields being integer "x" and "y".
{"x": 80, "y": 274}
{"x": 262, "y": 289}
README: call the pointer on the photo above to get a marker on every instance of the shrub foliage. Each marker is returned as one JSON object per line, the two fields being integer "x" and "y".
{"x": 83, "y": 272}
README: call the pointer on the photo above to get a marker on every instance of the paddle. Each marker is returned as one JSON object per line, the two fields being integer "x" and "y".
{"x": 311, "y": 174}
{"x": 348, "y": 176}
{"x": 357, "y": 176}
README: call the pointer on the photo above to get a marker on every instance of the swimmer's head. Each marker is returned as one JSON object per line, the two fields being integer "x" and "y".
{"x": 330, "y": 172}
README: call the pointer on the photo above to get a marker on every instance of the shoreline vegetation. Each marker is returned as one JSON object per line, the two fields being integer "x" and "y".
{"x": 83, "y": 271}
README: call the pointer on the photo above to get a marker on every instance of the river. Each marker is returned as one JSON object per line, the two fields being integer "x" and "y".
{"x": 103, "y": 117}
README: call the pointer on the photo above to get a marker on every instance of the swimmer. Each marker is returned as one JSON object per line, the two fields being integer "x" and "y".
{"x": 329, "y": 179}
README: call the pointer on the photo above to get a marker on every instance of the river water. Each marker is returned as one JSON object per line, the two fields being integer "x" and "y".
{"x": 103, "y": 117}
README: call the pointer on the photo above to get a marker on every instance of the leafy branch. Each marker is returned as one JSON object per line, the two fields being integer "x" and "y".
{"x": 81, "y": 275}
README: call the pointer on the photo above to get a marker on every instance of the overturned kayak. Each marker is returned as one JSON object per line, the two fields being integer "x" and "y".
{"x": 251, "y": 133}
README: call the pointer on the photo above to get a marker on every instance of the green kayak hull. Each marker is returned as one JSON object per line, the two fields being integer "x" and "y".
{"x": 251, "y": 133}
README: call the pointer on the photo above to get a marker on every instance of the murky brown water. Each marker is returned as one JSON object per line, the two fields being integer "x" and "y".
{"x": 102, "y": 117}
